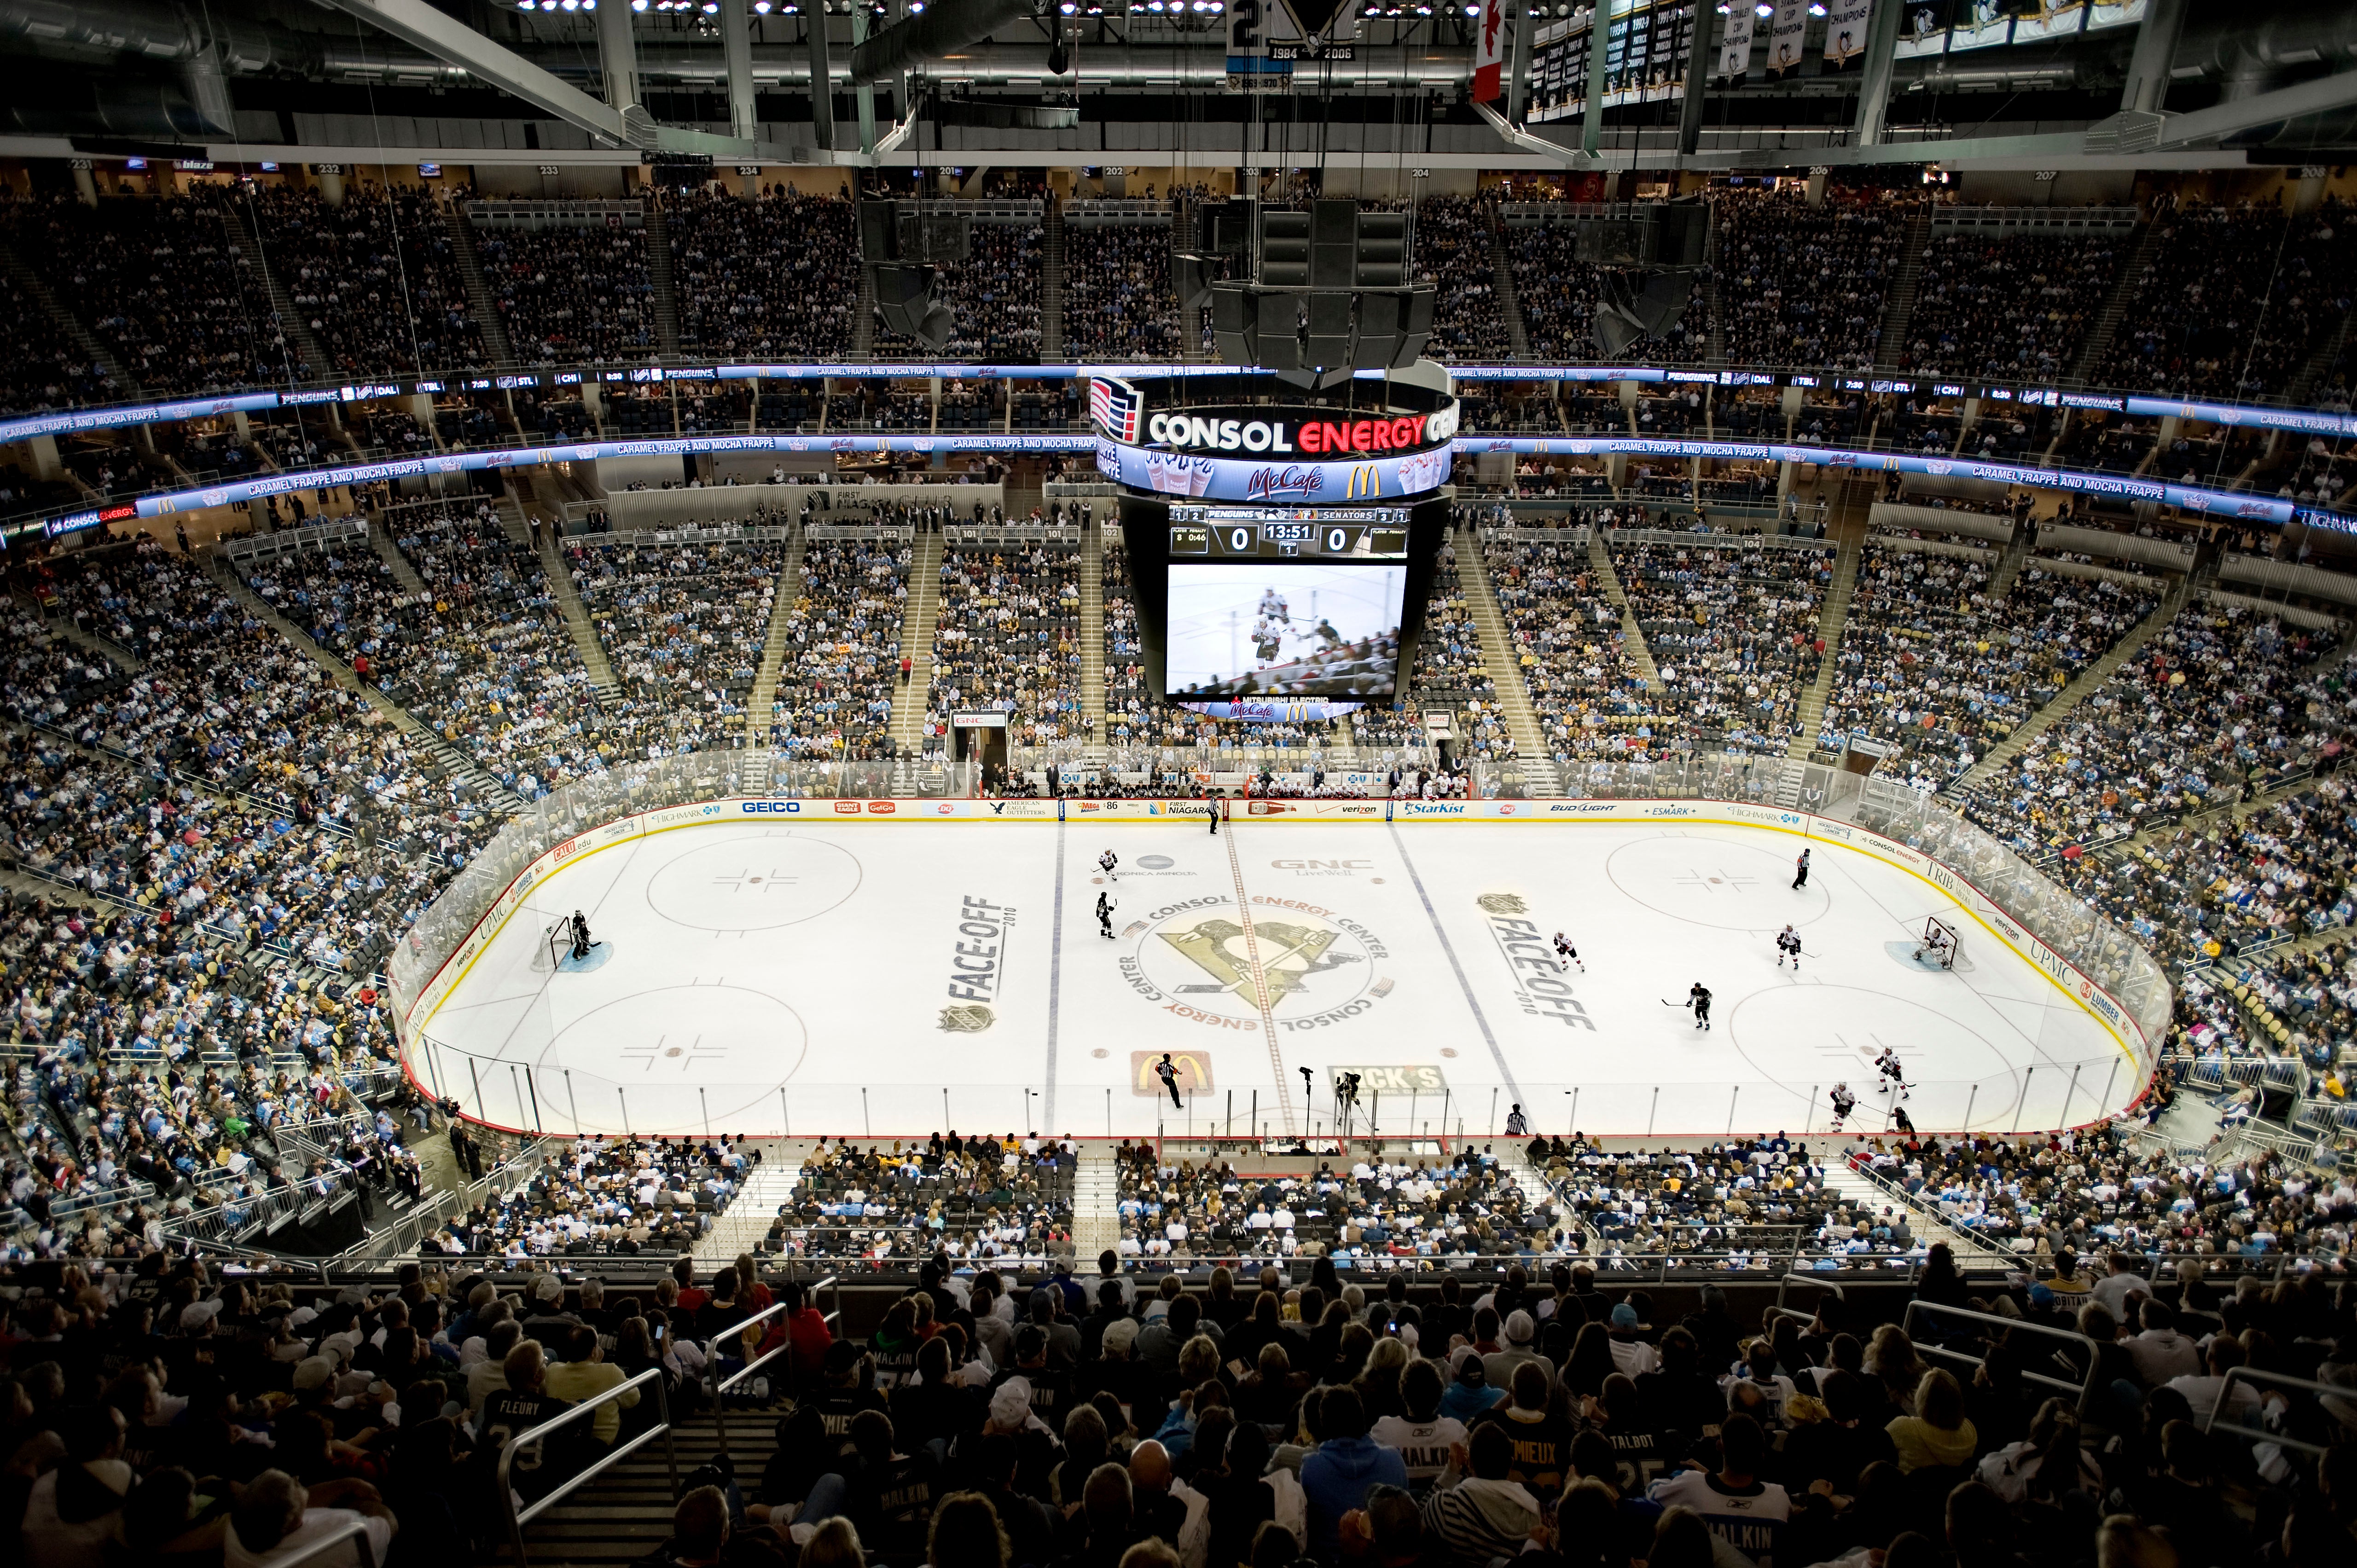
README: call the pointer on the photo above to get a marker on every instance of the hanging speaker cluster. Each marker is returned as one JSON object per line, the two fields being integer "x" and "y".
{"x": 1331, "y": 294}
{"x": 899, "y": 244}
{"x": 1647, "y": 252}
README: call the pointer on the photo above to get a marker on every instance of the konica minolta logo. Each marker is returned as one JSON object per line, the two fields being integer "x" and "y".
{"x": 778, "y": 807}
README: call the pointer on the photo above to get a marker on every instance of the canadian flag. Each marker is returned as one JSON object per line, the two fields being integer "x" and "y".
{"x": 1489, "y": 52}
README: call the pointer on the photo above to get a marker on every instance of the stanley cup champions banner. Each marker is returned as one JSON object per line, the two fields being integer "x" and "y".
{"x": 1846, "y": 26}
{"x": 1785, "y": 33}
{"x": 1735, "y": 44}
{"x": 1489, "y": 52}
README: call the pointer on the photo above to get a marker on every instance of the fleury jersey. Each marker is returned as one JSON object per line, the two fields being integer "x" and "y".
{"x": 1751, "y": 1520}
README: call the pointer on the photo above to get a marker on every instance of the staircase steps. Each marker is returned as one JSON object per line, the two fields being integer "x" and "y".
{"x": 863, "y": 318}
{"x": 2303, "y": 386}
{"x": 2008, "y": 567}
{"x": 1510, "y": 302}
{"x": 380, "y": 538}
{"x": 1833, "y": 616}
{"x": 1052, "y": 283}
{"x": 2141, "y": 247}
{"x": 1092, "y": 632}
{"x": 1533, "y": 756}
{"x": 2001, "y": 756}
{"x": 1633, "y": 637}
{"x": 1898, "y": 310}
{"x": 1096, "y": 1201}
{"x": 243, "y": 237}
{"x": 916, "y": 627}
{"x": 625, "y": 1515}
{"x": 481, "y": 301}
{"x": 1863, "y": 1195}
{"x": 746, "y": 1223}
{"x": 453, "y": 762}
{"x": 773, "y": 648}
{"x": 585, "y": 640}
{"x": 659, "y": 273}
{"x": 88, "y": 342}
{"x": 1715, "y": 354}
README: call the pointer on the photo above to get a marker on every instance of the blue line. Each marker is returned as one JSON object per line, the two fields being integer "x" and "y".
{"x": 1055, "y": 983}
{"x": 1467, "y": 986}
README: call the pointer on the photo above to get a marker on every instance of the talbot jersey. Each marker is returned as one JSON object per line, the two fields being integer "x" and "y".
{"x": 1751, "y": 1519}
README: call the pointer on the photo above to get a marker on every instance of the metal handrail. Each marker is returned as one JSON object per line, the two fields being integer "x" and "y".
{"x": 518, "y": 1519}
{"x": 2260, "y": 1435}
{"x": 356, "y": 1531}
{"x": 2086, "y": 1388}
{"x": 1787, "y": 1282}
{"x": 720, "y": 1385}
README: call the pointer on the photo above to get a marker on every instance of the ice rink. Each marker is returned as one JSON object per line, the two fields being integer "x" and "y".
{"x": 893, "y": 977}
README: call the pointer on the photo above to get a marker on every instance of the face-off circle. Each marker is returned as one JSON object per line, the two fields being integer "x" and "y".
{"x": 753, "y": 885}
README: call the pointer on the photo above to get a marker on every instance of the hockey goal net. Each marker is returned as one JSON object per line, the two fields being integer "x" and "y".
{"x": 554, "y": 943}
{"x": 1939, "y": 943}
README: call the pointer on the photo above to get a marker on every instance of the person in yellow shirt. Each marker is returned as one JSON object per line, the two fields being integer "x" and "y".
{"x": 584, "y": 1373}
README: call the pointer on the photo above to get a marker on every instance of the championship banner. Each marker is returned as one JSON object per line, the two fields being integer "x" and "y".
{"x": 1489, "y": 52}
{"x": 1845, "y": 28}
{"x": 1785, "y": 34}
{"x": 1735, "y": 44}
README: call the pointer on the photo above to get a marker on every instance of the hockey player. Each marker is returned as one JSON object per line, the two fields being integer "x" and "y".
{"x": 1699, "y": 1000}
{"x": 1170, "y": 1076}
{"x": 1110, "y": 864}
{"x": 1565, "y": 955}
{"x": 1788, "y": 945}
{"x": 1844, "y": 1103}
{"x": 1887, "y": 1064}
{"x": 1936, "y": 943}
{"x": 1899, "y": 1122}
{"x": 1104, "y": 914}
{"x": 1801, "y": 870}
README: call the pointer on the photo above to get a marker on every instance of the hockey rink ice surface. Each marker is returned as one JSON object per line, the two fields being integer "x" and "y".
{"x": 893, "y": 978}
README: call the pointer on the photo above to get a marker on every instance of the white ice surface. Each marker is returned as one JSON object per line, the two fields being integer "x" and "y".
{"x": 767, "y": 979}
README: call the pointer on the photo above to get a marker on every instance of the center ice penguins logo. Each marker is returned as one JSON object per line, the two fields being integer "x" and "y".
{"x": 1304, "y": 964}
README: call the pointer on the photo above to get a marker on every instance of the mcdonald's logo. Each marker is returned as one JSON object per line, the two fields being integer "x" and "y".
{"x": 1194, "y": 1069}
{"x": 1366, "y": 480}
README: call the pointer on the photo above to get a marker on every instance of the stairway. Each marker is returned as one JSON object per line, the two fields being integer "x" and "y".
{"x": 2008, "y": 567}
{"x": 1510, "y": 302}
{"x": 745, "y": 1224}
{"x": 1715, "y": 354}
{"x": 238, "y": 219}
{"x": 2141, "y": 245}
{"x": 1633, "y": 637}
{"x": 1533, "y": 756}
{"x": 59, "y": 624}
{"x": 1182, "y": 242}
{"x": 1831, "y": 616}
{"x": 481, "y": 302}
{"x": 1092, "y": 632}
{"x": 863, "y": 318}
{"x": 2070, "y": 696}
{"x": 585, "y": 640}
{"x": 1898, "y": 310}
{"x": 84, "y": 338}
{"x": 773, "y": 650}
{"x": 452, "y": 762}
{"x": 625, "y": 1514}
{"x": 2303, "y": 386}
{"x": 381, "y": 536}
{"x": 659, "y": 273}
{"x": 1865, "y": 1196}
{"x": 916, "y": 627}
{"x": 1052, "y": 283}
{"x": 1096, "y": 1202}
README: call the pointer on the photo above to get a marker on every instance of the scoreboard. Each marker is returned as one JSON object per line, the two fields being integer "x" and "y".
{"x": 1306, "y": 534}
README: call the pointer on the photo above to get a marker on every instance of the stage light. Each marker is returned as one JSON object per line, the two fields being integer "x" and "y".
{"x": 761, "y": 7}
{"x": 571, "y": 4}
{"x": 1472, "y": 10}
{"x": 1765, "y": 10}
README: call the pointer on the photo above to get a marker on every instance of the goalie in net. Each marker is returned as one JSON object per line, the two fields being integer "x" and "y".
{"x": 1938, "y": 944}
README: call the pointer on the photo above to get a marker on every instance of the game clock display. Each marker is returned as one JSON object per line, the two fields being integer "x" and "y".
{"x": 1364, "y": 533}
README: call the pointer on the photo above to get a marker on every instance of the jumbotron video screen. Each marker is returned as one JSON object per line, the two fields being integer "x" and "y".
{"x": 1266, "y": 628}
